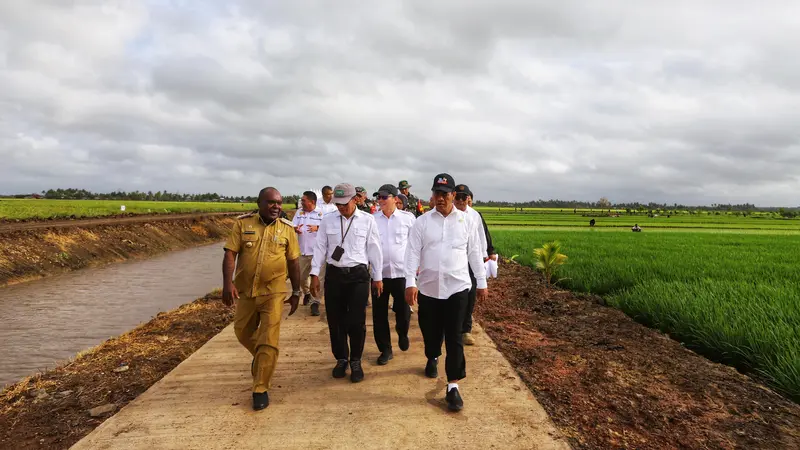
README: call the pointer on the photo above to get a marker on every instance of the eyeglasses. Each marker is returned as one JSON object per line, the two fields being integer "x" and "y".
{"x": 461, "y": 197}
{"x": 384, "y": 197}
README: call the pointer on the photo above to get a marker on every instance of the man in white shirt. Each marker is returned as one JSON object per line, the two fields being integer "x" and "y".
{"x": 463, "y": 201}
{"x": 306, "y": 224}
{"x": 349, "y": 243}
{"x": 327, "y": 206}
{"x": 393, "y": 226}
{"x": 444, "y": 244}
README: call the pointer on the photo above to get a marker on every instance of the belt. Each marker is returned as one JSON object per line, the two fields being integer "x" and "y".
{"x": 331, "y": 267}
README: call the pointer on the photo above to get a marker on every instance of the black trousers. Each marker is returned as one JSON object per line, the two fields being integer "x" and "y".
{"x": 396, "y": 287}
{"x": 473, "y": 294}
{"x": 442, "y": 319}
{"x": 346, "y": 295}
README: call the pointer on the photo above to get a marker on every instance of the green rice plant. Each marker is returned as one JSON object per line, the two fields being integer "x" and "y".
{"x": 734, "y": 297}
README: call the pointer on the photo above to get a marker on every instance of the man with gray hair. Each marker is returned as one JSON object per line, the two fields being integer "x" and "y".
{"x": 348, "y": 241}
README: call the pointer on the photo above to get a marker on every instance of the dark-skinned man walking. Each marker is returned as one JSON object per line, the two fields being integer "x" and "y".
{"x": 443, "y": 245}
{"x": 349, "y": 243}
{"x": 261, "y": 248}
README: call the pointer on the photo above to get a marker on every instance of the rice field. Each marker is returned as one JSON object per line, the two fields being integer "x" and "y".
{"x": 23, "y": 209}
{"x": 734, "y": 297}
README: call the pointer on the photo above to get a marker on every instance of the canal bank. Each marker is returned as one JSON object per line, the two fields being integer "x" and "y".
{"x": 30, "y": 251}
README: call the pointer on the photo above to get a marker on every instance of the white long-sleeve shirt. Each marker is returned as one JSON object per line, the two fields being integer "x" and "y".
{"x": 307, "y": 238}
{"x": 362, "y": 245}
{"x": 394, "y": 237}
{"x": 443, "y": 248}
{"x": 476, "y": 217}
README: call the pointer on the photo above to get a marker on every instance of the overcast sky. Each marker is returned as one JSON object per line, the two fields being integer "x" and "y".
{"x": 692, "y": 102}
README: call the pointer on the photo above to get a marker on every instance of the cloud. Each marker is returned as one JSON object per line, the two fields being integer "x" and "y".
{"x": 689, "y": 102}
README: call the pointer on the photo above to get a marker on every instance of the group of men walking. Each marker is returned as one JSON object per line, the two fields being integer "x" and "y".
{"x": 344, "y": 247}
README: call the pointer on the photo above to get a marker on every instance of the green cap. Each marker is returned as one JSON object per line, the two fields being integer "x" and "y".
{"x": 403, "y": 185}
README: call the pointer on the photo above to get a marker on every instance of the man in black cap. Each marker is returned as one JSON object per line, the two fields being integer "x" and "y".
{"x": 462, "y": 202}
{"x": 443, "y": 245}
{"x": 393, "y": 226}
{"x": 403, "y": 188}
{"x": 348, "y": 241}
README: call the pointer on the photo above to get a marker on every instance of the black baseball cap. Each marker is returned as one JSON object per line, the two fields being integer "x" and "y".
{"x": 443, "y": 182}
{"x": 387, "y": 189}
{"x": 463, "y": 189}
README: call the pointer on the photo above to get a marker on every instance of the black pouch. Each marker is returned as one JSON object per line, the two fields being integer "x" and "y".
{"x": 337, "y": 253}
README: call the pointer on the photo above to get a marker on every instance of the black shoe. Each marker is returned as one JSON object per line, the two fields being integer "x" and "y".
{"x": 260, "y": 400}
{"x": 385, "y": 358}
{"x": 315, "y": 309}
{"x": 341, "y": 369}
{"x": 402, "y": 342}
{"x": 454, "y": 402}
{"x": 356, "y": 372}
{"x": 432, "y": 369}
{"x": 306, "y": 299}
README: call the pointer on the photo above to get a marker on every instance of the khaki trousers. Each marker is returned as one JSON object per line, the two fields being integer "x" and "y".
{"x": 305, "y": 271}
{"x": 257, "y": 323}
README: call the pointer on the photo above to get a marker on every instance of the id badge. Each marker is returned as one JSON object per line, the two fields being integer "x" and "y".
{"x": 337, "y": 253}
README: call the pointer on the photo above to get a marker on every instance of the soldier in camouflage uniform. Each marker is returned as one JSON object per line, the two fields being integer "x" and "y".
{"x": 403, "y": 187}
{"x": 362, "y": 203}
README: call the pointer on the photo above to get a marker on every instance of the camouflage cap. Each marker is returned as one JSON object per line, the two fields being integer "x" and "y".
{"x": 403, "y": 184}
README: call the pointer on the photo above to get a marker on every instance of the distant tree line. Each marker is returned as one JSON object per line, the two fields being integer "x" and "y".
{"x": 158, "y": 196}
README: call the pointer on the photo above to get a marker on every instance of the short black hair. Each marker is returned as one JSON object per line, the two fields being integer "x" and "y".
{"x": 326, "y": 188}
{"x": 311, "y": 195}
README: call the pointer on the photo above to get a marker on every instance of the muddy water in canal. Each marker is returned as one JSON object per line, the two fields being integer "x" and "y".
{"x": 46, "y": 321}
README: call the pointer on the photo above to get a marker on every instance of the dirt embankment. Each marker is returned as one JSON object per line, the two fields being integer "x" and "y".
{"x": 609, "y": 382}
{"x": 52, "y": 410}
{"x": 34, "y": 250}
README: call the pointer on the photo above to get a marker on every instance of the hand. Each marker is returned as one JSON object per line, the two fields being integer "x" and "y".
{"x": 313, "y": 228}
{"x": 315, "y": 286}
{"x": 294, "y": 300}
{"x": 229, "y": 294}
{"x": 411, "y": 296}
{"x": 377, "y": 286}
{"x": 298, "y": 229}
{"x": 483, "y": 294}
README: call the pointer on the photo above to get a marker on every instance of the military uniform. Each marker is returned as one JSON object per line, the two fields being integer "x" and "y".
{"x": 413, "y": 201}
{"x": 261, "y": 271}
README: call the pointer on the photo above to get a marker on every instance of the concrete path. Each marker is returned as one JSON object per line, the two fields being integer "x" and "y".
{"x": 205, "y": 403}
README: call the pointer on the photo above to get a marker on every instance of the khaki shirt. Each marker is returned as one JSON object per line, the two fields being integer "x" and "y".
{"x": 263, "y": 251}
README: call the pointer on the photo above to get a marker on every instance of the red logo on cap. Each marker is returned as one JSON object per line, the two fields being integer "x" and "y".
{"x": 442, "y": 180}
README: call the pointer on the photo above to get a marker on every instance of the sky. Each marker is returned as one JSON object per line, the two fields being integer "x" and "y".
{"x": 692, "y": 102}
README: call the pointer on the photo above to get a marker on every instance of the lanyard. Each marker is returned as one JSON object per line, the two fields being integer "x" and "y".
{"x": 341, "y": 227}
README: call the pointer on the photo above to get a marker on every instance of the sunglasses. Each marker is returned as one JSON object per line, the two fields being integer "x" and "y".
{"x": 461, "y": 197}
{"x": 384, "y": 197}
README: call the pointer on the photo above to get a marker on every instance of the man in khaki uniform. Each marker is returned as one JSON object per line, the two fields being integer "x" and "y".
{"x": 261, "y": 247}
